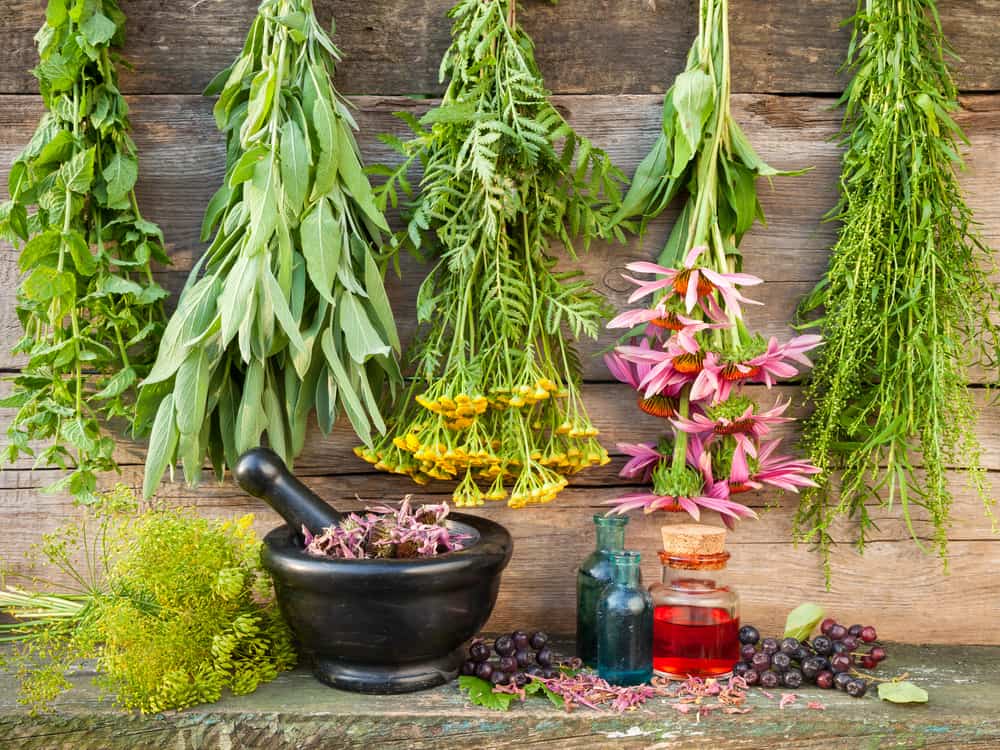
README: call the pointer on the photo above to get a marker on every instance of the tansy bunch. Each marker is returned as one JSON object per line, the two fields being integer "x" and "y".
{"x": 689, "y": 368}
{"x": 495, "y": 401}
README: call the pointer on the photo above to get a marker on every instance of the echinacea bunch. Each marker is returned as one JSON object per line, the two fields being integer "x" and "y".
{"x": 386, "y": 532}
{"x": 694, "y": 354}
{"x": 690, "y": 368}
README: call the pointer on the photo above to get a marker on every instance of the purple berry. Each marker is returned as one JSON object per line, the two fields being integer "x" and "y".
{"x": 824, "y": 680}
{"x": 838, "y": 632}
{"x": 484, "y": 670}
{"x": 538, "y": 640}
{"x": 770, "y": 646}
{"x": 747, "y": 650}
{"x": 868, "y": 634}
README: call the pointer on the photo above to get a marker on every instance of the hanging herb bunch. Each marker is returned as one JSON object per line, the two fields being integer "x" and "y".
{"x": 496, "y": 394}
{"x": 174, "y": 608}
{"x": 691, "y": 353}
{"x": 907, "y": 304}
{"x": 286, "y": 312}
{"x": 89, "y": 307}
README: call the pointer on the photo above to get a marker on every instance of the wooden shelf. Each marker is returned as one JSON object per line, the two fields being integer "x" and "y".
{"x": 295, "y": 711}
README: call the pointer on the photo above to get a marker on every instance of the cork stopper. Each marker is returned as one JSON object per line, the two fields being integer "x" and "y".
{"x": 687, "y": 539}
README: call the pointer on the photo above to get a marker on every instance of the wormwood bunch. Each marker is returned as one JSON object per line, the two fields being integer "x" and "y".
{"x": 173, "y": 607}
{"x": 286, "y": 313}
{"x": 496, "y": 393}
{"x": 906, "y": 303}
{"x": 89, "y": 307}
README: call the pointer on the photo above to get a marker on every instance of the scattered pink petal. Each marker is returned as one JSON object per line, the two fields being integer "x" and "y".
{"x": 787, "y": 699}
{"x": 816, "y": 706}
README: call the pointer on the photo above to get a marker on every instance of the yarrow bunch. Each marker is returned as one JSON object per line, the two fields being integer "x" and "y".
{"x": 496, "y": 395}
{"x": 691, "y": 372}
{"x": 692, "y": 353}
{"x": 388, "y": 532}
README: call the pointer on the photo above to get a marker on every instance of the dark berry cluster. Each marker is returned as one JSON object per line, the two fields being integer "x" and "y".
{"x": 519, "y": 656}
{"x": 827, "y": 661}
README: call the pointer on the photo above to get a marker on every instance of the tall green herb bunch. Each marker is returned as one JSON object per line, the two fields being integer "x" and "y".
{"x": 906, "y": 303}
{"x": 174, "y": 608}
{"x": 89, "y": 307}
{"x": 496, "y": 393}
{"x": 286, "y": 313}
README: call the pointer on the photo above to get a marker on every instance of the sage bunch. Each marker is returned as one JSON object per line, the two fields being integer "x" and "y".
{"x": 89, "y": 307}
{"x": 286, "y": 313}
{"x": 907, "y": 304}
{"x": 495, "y": 398}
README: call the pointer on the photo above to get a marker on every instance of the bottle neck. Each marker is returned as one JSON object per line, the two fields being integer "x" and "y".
{"x": 611, "y": 538}
{"x": 626, "y": 574}
{"x": 692, "y": 579}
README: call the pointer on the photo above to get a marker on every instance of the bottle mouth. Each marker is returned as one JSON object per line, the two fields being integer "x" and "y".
{"x": 694, "y": 562}
{"x": 610, "y": 522}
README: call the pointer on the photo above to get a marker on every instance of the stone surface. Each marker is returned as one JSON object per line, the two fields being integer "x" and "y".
{"x": 297, "y": 712}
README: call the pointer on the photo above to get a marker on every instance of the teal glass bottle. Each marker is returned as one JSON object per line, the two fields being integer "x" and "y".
{"x": 594, "y": 574}
{"x": 625, "y": 625}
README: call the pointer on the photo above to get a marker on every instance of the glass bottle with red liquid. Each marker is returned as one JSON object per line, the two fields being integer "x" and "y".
{"x": 696, "y": 618}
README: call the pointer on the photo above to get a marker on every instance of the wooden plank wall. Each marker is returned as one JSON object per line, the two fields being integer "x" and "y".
{"x": 608, "y": 62}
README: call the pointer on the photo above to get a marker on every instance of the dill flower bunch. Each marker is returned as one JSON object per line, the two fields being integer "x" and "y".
{"x": 173, "y": 607}
{"x": 907, "y": 304}
{"x": 691, "y": 352}
{"x": 495, "y": 400}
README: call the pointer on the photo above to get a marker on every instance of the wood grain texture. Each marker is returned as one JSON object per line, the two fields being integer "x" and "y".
{"x": 585, "y": 46}
{"x": 297, "y": 712}
{"x": 783, "y": 48}
{"x": 182, "y": 163}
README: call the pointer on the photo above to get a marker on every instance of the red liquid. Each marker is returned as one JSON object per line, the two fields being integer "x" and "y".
{"x": 696, "y": 641}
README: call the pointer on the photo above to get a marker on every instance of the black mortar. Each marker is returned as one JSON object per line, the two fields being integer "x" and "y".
{"x": 375, "y": 626}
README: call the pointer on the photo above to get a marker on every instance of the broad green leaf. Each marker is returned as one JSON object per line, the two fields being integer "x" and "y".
{"x": 325, "y": 124}
{"x": 261, "y": 194}
{"x": 481, "y": 693}
{"x": 348, "y": 396}
{"x": 694, "y": 97}
{"x": 260, "y": 103}
{"x": 244, "y": 169}
{"x": 83, "y": 259}
{"x": 648, "y": 175}
{"x": 294, "y": 165}
{"x": 120, "y": 175}
{"x": 76, "y": 433}
{"x": 277, "y": 437}
{"x": 237, "y": 295}
{"x": 38, "y": 248}
{"x": 213, "y": 212}
{"x": 250, "y": 420}
{"x": 195, "y": 311}
{"x": 349, "y": 167}
{"x": 55, "y": 12}
{"x": 117, "y": 384}
{"x": 117, "y": 285}
{"x": 191, "y": 391}
{"x": 162, "y": 446}
{"x": 902, "y": 692}
{"x": 47, "y": 283}
{"x": 321, "y": 246}
{"x": 56, "y": 150}
{"x": 379, "y": 301}
{"x": 78, "y": 173}
{"x": 803, "y": 620}
{"x": 363, "y": 341}
{"x": 282, "y": 312}
{"x": 98, "y": 29}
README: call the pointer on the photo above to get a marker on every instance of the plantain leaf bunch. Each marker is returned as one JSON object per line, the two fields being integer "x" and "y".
{"x": 286, "y": 312}
{"x": 907, "y": 304}
{"x": 91, "y": 312}
{"x": 703, "y": 153}
{"x": 495, "y": 400}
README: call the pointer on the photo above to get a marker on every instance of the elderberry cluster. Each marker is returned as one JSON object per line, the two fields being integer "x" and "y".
{"x": 520, "y": 656}
{"x": 828, "y": 661}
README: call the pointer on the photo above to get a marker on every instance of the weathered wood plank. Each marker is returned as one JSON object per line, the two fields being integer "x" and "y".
{"x": 598, "y": 46}
{"x": 550, "y": 542}
{"x": 183, "y": 162}
{"x": 297, "y": 712}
